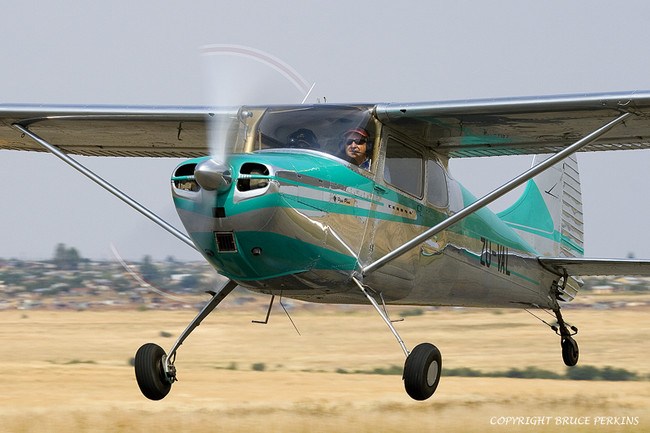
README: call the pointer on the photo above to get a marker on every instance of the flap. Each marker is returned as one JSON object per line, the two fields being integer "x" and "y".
{"x": 516, "y": 126}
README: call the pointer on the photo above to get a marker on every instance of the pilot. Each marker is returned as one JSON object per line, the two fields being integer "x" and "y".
{"x": 357, "y": 147}
{"x": 303, "y": 138}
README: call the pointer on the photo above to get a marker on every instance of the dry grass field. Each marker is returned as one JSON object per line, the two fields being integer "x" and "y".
{"x": 69, "y": 371}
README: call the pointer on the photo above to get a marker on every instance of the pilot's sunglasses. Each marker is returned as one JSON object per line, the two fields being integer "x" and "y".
{"x": 355, "y": 140}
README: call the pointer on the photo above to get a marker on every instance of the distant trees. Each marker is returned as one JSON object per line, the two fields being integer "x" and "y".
{"x": 66, "y": 258}
{"x": 150, "y": 271}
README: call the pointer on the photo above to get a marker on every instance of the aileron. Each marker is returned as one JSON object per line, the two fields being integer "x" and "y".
{"x": 109, "y": 131}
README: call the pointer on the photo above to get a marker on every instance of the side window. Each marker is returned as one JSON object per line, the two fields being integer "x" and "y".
{"x": 403, "y": 167}
{"x": 436, "y": 185}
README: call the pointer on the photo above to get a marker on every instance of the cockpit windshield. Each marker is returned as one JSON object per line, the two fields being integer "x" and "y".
{"x": 322, "y": 128}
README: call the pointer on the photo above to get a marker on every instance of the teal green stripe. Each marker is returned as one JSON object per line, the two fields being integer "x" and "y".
{"x": 189, "y": 177}
{"x": 327, "y": 190}
{"x": 281, "y": 255}
{"x": 291, "y": 201}
{"x": 281, "y": 274}
{"x": 572, "y": 245}
{"x": 298, "y": 202}
{"x": 192, "y": 206}
{"x": 517, "y": 274}
{"x": 523, "y": 277}
{"x": 555, "y": 237}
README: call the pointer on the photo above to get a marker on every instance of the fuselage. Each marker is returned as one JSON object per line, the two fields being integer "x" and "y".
{"x": 300, "y": 219}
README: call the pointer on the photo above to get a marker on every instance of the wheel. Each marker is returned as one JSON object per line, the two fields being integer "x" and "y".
{"x": 422, "y": 371}
{"x": 149, "y": 372}
{"x": 570, "y": 351}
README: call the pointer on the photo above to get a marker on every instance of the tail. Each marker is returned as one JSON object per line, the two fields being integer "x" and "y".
{"x": 549, "y": 213}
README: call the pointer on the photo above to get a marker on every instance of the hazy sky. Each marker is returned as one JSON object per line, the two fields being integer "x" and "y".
{"x": 147, "y": 52}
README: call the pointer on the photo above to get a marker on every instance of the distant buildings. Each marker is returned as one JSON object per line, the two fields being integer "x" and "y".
{"x": 107, "y": 285}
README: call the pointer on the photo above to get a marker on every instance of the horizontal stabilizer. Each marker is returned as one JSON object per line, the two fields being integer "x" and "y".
{"x": 580, "y": 266}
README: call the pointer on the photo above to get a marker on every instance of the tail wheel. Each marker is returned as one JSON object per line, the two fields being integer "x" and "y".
{"x": 570, "y": 351}
{"x": 149, "y": 372}
{"x": 422, "y": 371}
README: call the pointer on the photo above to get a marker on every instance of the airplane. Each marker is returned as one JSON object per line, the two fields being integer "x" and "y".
{"x": 355, "y": 203}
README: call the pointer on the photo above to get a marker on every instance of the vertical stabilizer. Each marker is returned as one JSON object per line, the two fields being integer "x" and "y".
{"x": 549, "y": 213}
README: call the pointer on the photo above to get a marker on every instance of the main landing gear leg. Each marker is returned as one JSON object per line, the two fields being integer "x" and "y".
{"x": 154, "y": 370}
{"x": 570, "y": 351}
{"x": 566, "y": 332}
{"x": 422, "y": 366}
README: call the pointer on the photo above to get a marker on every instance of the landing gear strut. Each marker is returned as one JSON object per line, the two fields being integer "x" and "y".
{"x": 570, "y": 351}
{"x": 422, "y": 366}
{"x": 154, "y": 370}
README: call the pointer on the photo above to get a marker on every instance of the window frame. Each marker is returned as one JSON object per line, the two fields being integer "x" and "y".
{"x": 414, "y": 149}
{"x": 440, "y": 169}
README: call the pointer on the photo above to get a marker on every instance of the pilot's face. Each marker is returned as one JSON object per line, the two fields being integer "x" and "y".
{"x": 356, "y": 148}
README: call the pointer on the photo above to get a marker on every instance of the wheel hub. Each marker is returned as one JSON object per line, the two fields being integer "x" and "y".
{"x": 432, "y": 373}
{"x": 169, "y": 369}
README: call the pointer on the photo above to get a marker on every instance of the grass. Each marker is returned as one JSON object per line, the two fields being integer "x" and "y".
{"x": 579, "y": 372}
{"x": 71, "y": 362}
{"x": 392, "y": 370}
{"x": 258, "y": 366}
{"x": 300, "y": 389}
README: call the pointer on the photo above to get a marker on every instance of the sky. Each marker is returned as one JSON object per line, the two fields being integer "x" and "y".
{"x": 148, "y": 53}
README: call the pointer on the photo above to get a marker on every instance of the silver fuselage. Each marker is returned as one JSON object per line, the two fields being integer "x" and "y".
{"x": 302, "y": 222}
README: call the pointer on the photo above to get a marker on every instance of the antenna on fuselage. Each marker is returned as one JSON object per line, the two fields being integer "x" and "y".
{"x": 308, "y": 93}
{"x": 268, "y": 314}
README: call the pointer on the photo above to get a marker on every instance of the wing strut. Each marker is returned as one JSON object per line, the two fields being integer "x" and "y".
{"x": 107, "y": 186}
{"x": 492, "y": 196}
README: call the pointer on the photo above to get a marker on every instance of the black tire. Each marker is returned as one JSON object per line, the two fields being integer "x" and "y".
{"x": 422, "y": 371}
{"x": 570, "y": 351}
{"x": 149, "y": 372}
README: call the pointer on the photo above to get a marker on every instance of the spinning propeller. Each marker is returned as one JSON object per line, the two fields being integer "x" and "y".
{"x": 236, "y": 76}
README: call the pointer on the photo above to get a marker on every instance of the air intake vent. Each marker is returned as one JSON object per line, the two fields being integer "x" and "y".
{"x": 184, "y": 177}
{"x": 252, "y": 176}
{"x": 225, "y": 242}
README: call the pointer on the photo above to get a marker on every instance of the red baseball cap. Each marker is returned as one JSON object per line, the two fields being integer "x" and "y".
{"x": 359, "y": 131}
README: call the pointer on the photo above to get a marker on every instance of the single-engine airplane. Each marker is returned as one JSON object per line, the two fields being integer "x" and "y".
{"x": 355, "y": 203}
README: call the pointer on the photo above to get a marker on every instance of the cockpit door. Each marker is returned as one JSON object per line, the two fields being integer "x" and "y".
{"x": 396, "y": 214}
